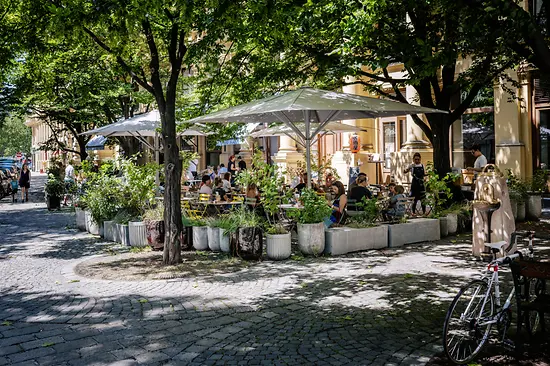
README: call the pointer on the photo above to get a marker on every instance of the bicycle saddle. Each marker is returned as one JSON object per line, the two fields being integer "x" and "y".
{"x": 496, "y": 246}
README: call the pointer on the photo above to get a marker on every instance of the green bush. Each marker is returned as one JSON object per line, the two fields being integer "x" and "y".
{"x": 315, "y": 208}
{"x": 54, "y": 186}
{"x": 367, "y": 216}
{"x": 104, "y": 197}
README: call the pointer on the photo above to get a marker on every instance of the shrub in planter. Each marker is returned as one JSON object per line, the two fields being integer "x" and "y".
{"x": 103, "y": 198}
{"x": 154, "y": 226}
{"x": 518, "y": 195}
{"x": 200, "y": 234}
{"x": 248, "y": 234}
{"x": 121, "y": 220}
{"x": 54, "y": 190}
{"x": 224, "y": 224}
{"x": 311, "y": 229}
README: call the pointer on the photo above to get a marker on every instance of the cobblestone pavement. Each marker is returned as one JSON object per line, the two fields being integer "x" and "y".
{"x": 373, "y": 308}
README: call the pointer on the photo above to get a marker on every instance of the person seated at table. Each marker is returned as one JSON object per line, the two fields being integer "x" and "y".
{"x": 396, "y": 207}
{"x": 227, "y": 181}
{"x": 391, "y": 189}
{"x": 214, "y": 173}
{"x": 218, "y": 189}
{"x": 222, "y": 169}
{"x": 354, "y": 184}
{"x": 303, "y": 183}
{"x": 253, "y": 193}
{"x": 206, "y": 185}
{"x": 360, "y": 190}
{"x": 338, "y": 205}
{"x": 329, "y": 179}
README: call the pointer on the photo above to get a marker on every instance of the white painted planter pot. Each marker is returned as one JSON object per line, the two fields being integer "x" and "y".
{"x": 91, "y": 226}
{"x": 80, "y": 219}
{"x": 278, "y": 246}
{"x": 200, "y": 237}
{"x": 343, "y": 240}
{"x": 521, "y": 211}
{"x": 109, "y": 229}
{"x": 137, "y": 234}
{"x": 443, "y": 227}
{"x": 514, "y": 206}
{"x": 452, "y": 223}
{"x": 225, "y": 241}
{"x": 534, "y": 206}
{"x": 311, "y": 238}
{"x": 123, "y": 234}
{"x": 214, "y": 239}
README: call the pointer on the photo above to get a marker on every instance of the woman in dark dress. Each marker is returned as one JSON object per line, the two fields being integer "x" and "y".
{"x": 418, "y": 191}
{"x": 25, "y": 183}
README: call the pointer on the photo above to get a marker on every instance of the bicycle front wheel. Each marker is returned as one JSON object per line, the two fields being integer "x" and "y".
{"x": 468, "y": 322}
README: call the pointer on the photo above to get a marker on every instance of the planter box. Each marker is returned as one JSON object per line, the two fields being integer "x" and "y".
{"x": 225, "y": 241}
{"x": 123, "y": 234}
{"x": 137, "y": 234}
{"x": 278, "y": 246}
{"x": 415, "y": 231}
{"x": 200, "y": 237}
{"x": 109, "y": 229}
{"x": 443, "y": 227}
{"x": 342, "y": 240}
{"x": 452, "y": 223}
{"x": 311, "y": 238}
{"x": 214, "y": 239}
{"x": 534, "y": 206}
{"x": 249, "y": 243}
{"x": 91, "y": 226}
{"x": 521, "y": 211}
{"x": 53, "y": 202}
{"x": 80, "y": 219}
{"x": 155, "y": 234}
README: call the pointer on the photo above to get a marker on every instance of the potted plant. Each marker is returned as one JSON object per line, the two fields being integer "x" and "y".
{"x": 278, "y": 239}
{"x": 54, "y": 190}
{"x": 154, "y": 226}
{"x": 103, "y": 199}
{"x": 213, "y": 234}
{"x": 200, "y": 234}
{"x": 310, "y": 217}
{"x": 121, "y": 220}
{"x": 187, "y": 233}
{"x": 79, "y": 207}
{"x": 437, "y": 195}
{"x": 247, "y": 234}
{"x": 518, "y": 195}
{"x": 224, "y": 224}
{"x": 537, "y": 187}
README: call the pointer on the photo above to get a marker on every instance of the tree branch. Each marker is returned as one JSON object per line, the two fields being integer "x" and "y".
{"x": 154, "y": 65}
{"x": 423, "y": 126}
{"x": 386, "y": 79}
{"x": 142, "y": 82}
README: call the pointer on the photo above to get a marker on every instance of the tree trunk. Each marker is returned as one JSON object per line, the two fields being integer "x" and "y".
{"x": 172, "y": 188}
{"x": 441, "y": 150}
{"x": 82, "y": 148}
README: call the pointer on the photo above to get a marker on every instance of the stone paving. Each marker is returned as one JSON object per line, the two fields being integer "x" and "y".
{"x": 372, "y": 308}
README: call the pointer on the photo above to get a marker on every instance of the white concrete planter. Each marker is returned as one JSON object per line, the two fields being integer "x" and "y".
{"x": 514, "y": 206}
{"x": 109, "y": 229}
{"x": 80, "y": 219}
{"x": 91, "y": 226}
{"x": 123, "y": 234}
{"x": 225, "y": 241}
{"x": 342, "y": 240}
{"x": 214, "y": 239}
{"x": 278, "y": 246}
{"x": 443, "y": 226}
{"x": 200, "y": 237}
{"x": 452, "y": 223}
{"x": 522, "y": 208}
{"x": 137, "y": 234}
{"x": 534, "y": 206}
{"x": 414, "y": 231}
{"x": 311, "y": 238}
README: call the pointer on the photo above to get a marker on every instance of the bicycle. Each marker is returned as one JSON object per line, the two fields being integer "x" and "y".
{"x": 477, "y": 307}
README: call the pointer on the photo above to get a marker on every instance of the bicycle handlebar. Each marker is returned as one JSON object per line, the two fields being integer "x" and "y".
{"x": 526, "y": 252}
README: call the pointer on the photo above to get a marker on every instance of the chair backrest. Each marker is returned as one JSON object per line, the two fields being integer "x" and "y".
{"x": 352, "y": 205}
{"x": 238, "y": 198}
{"x": 204, "y": 197}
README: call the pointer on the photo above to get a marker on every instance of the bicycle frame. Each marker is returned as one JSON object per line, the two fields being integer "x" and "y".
{"x": 493, "y": 280}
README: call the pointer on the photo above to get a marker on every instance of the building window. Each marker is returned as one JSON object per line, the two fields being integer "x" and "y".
{"x": 402, "y": 122}
{"x": 390, "y": 142}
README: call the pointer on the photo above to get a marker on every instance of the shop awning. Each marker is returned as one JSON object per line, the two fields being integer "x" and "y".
{"x": 96, "y": 143}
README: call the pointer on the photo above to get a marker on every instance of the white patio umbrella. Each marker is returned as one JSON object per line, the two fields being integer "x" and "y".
{"x": 330, "y": 128}
{"x": 315, "y": 108}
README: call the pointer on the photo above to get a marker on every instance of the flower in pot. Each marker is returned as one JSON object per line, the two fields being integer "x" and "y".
{"x": 518, "y": 195}
{"x": 154, "y": 226}
{"x": 310, "y": 218}
{"x": 54, "y": 190}
{"x": 437, "y": 195}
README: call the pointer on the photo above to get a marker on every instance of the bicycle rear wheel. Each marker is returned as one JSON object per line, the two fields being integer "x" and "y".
{"x": 467, "y": 326}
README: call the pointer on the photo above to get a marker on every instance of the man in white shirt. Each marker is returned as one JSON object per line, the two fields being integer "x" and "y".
{"x": 481, "y": 160}
{"x": 69, "y": 181}
{"x": 206, "y": 186}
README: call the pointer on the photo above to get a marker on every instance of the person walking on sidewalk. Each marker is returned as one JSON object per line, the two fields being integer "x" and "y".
{"x": 25, "y": 183}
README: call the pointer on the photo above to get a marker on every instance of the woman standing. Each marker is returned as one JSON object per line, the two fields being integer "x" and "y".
{"x": 25, "y": 183}
{"x": 418, "y": 191}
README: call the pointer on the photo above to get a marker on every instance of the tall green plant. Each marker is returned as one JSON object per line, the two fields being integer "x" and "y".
{"x": 104, "y": 198}
{"x": 370, "y": 209}
{"x": 437, "y": 189}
